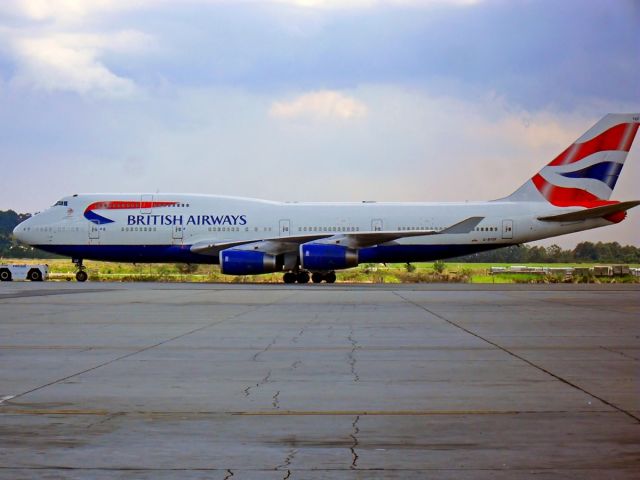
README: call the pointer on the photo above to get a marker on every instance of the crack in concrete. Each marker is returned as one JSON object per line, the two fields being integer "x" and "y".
{"x": 354, "y": 445}
{"x": 352, "y": 356}
{"x": 276, "y": 400}
{"x": 264, "y": 350}
{"x": 265, "y": 379}
{"x": 620, "y": 353}
{"x": 312, "y": 322}
{"x": 298, "y": 335}
{"x": 228, "y": 475}
{"x": 108, "y": 418}
{"x": 296, "y": 364}
{"x": 287, "y": 463}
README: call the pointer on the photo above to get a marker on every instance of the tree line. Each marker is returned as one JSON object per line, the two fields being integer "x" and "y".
{"x": 584, "y": 252}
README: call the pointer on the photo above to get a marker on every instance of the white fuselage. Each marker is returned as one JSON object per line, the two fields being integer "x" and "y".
{"x": 164, "y": 227}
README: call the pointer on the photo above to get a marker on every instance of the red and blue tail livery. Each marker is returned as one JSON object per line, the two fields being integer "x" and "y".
{"x": 310, "y": 241}
{"x": 586, "y": 172}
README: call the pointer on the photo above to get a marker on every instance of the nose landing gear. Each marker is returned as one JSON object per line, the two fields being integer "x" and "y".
{"x": 81, "y": 274}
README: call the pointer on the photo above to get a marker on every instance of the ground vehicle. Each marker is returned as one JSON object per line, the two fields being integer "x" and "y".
{"x": 35, "y": 273}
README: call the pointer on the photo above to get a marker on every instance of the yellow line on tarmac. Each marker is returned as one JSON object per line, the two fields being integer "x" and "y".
{"x": 375, "y": 412}
{"x": 40, "y": 411}
{"x": 274, "y": 413}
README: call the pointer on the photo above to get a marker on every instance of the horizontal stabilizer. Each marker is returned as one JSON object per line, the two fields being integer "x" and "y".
{"x": 588, "y": 213}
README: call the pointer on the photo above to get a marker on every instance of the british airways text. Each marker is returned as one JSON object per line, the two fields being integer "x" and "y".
{"x": 184, "y": 220}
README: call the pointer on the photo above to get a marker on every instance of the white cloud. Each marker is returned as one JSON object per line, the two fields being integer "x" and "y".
{"x": 71, "y": 62}
{"x": 74, "y": 11}
{"x": 325, "y": 104}
{"x": 56, "y": 47}
{"x": 68, "y": 11}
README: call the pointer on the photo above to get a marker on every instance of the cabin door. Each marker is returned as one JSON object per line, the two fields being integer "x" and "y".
{"x": 285, "y": 228}
{"x": 177, "y": 234}
{"x": 94, "y": 231}
{"x": 507, "y": 229}
{"x": 376, "y": 225}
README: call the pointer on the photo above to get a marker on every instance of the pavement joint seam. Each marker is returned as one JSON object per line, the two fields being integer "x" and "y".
{"x": 523, "y": 359}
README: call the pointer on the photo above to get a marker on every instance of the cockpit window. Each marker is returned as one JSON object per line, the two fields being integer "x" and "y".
{"x": 61, "y": 203}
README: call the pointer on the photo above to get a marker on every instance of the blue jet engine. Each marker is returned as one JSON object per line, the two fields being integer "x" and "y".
{"x": 248, "y": 262}
{"x": 321, "y": 257}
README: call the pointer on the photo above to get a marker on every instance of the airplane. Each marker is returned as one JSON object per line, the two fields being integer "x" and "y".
{"x": 310, "y": 241}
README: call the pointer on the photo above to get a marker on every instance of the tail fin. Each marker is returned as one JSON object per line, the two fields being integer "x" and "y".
{"x": 587, "y": 171}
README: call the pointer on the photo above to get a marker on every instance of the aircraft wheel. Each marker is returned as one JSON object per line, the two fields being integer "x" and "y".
{"x": 82, "y": 276}
{"x": 34, "y": 275}
{"x": 289, "y": 277}
{"x": 303, "y": 277}
{"x": 330, "y": 277}
{"x": 317, "y": 277}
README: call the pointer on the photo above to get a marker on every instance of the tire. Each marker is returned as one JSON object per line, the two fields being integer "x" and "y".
{"x": 302, "y": 277}
{"x": 34, "y": 275}
{"x": 5, "y": 275}
{"x": 82, "y": 276}
{"x": 289, "y": 277}
{"x": 317, "y": 277}
{"x": 330, "y": 277}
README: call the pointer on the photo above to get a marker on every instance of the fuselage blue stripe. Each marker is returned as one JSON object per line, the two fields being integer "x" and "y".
{"x": 183, "y": 253}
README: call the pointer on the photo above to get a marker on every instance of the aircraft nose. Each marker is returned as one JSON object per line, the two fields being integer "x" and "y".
{"x": 19, "y": 232}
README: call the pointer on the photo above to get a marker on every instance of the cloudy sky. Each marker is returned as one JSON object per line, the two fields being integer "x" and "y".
{"x": 308, "y": 99}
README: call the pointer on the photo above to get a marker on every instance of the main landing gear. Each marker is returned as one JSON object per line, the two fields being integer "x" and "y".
{"x": 293, "y": 277}
{"x": 81, "y": 274}
{"x": 329, "y": 277}
{"x": 303, "y": 277}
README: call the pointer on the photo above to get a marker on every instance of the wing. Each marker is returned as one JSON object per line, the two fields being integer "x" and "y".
{"x": 277, "y": 246}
